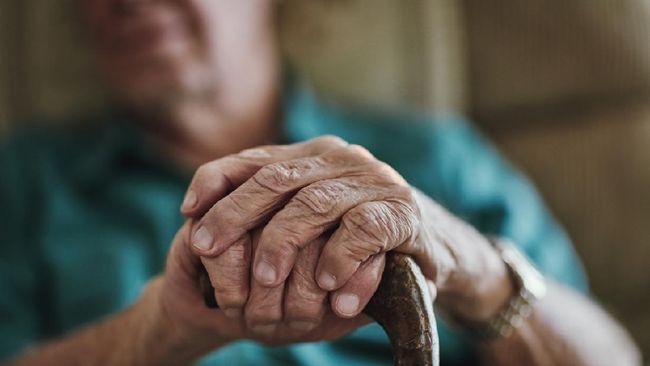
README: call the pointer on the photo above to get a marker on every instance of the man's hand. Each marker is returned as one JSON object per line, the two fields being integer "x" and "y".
{"x": 320, "y": 209}
{"x": 204, "y": 329}
{"x": 298, "y": 193}
{"x": 171, "y": 325}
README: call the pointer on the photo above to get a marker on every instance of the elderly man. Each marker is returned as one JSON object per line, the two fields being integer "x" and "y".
{"x": 292, "y": 234}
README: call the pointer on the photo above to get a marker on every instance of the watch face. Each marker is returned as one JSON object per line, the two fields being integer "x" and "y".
{"x": 532, "y": 287}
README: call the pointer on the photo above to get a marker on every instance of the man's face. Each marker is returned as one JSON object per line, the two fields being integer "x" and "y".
{"x": 157, "y": 52}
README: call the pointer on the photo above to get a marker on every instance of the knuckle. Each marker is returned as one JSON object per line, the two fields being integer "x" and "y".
{"x": 211, "y": 175}
{"x": 368, "y": 223}
{"x": 231, "y": 293}
{"x": 305, "y": 308}
{"x": 322, "y": 198}
{"x": 349, "y": 155}
{"x": 255, "y": 153}
{"x": 407, "y": 213}
{"x": 378, "y": 227}
{"x": 275, "y": 177}
{"x": 309, "y": 298}
{"x": 202, "y": 170}
{"x": 231, "y": 287}
{"x": 283, "y": 177}
{"x": 263, "y": 312}
{"x": 305, "y": 287}
{"x": 205, "y": 171}
{"x": 331, "y": 141}
{"x": 236, "y": 257}
{"x": 360, "y": 151}
{"x": 405, "y": 196}
{"x": 404, "y": 223}
{"x": 383, "y": 168}
{"x": 388, "y": 174}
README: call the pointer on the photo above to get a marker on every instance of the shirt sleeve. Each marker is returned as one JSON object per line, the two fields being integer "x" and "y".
{"x": 19, "y": 315}
{"x": 485, "y": 190}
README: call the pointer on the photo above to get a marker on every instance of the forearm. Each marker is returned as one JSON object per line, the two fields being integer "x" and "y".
{"x": 565, "y": 328}
{"x": 140, "y": 335}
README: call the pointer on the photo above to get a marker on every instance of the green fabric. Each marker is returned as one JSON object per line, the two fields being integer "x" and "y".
{"x": 87, "y": 216}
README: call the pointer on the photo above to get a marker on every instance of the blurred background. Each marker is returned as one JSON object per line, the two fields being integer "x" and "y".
{"x": 562, "y": 87}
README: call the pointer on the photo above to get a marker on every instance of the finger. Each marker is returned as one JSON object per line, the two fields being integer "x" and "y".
{"x": 311, "y": 212}
{"x": 181, "y": 260}
{"x": 352, "y": 298}
{"x": 263, "y": 311}
{"x": 229, "y": 276}
{"x": 214, "y": 180}
{"x": 305, "y": 303}
{"x": 258, "y": 198}
{"x": 368, "y": 229}
{"x": 183, "y": 272}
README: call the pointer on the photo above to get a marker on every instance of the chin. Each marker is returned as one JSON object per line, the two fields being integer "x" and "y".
{"x": 161, "y": 84}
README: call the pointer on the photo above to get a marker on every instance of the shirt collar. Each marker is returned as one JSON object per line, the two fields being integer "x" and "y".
{"x": 117, "y": 140}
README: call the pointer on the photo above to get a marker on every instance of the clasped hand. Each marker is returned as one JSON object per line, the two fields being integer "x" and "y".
{"x": 294, "y": 239}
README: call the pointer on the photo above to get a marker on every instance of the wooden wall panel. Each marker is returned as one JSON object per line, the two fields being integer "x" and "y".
{"x": 7, "y": 58}
{"x": 380, "y": 52}
{"x": 49, "y": 71}
{"x": 530, "y": 56}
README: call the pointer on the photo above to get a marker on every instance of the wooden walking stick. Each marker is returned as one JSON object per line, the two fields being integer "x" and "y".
{"x": 401, "y": 305}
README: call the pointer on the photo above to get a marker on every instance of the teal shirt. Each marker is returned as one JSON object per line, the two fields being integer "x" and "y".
{"x": 87, "y": 216}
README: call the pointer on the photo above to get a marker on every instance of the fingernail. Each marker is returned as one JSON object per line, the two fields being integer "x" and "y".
{"x": 190, "y": 200}
{"x": 264, "y": 329}
{"x": 326, "y": 281}
{"x": 203, "y": 239}
{"x": 347, "y": 304}
{"x": 232, "y": 312}
{"x": 302, "y": 325}
{"x": 265, "y": 273}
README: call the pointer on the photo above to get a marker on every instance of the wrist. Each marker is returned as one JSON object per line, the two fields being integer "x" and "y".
{"x": 162, "y": 340}
{"x": 473, "y": 281}
{"x": 527, "y": 286}
{"x": 480, "y": 297}
{"x": 497, "y": 290}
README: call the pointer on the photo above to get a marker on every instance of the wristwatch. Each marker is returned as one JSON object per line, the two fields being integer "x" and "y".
{"x": 530, "y": 287}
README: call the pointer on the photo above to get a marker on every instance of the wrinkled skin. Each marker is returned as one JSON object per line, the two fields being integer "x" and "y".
{"x": 183, "y": 304}
{"x": 296, "y": 194}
